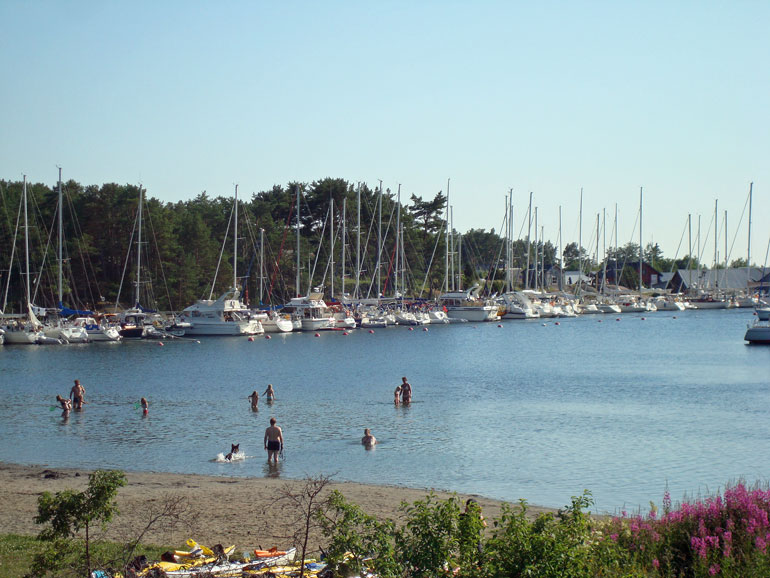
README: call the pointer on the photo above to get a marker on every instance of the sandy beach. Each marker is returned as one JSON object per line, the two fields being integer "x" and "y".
{"x": 245, "y": 512}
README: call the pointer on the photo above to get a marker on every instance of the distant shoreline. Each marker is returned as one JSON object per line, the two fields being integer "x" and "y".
{"x": 230, "y": 510}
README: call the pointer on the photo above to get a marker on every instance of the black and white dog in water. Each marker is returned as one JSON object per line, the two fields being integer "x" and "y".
{"x": 235, "y": 454}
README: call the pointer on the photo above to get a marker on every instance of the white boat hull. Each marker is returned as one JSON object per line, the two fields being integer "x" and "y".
{"x": 758, "y": 334}
{"x": 251, "y": 327}
{"x": 317, "y": 323}
{"x": 278, "y": 325}
{"x": 23, "y": 337}
{"x": 473, "y": 313}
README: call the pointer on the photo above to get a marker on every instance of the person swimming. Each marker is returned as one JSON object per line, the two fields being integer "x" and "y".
{"x": 368, "y": 440}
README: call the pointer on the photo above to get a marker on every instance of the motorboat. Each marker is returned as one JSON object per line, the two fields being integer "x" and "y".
{"x": 276, "y": 322}
{"x": 98, "y": 331}
{"x": 312, "y": 312}
{"x": 227, "y": 315}
{"x": 469, "y": 306}
{"x": 517, "y": 305}
{"x": 758, "y": 333}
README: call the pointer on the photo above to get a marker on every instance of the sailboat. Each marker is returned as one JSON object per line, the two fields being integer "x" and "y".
{"x": 66, "y": 332}
{"x": 227, "y": 315}
{"x": 29, "y": 332}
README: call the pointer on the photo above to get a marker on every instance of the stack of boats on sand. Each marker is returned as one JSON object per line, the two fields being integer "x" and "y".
{"x": 218, "y": 562}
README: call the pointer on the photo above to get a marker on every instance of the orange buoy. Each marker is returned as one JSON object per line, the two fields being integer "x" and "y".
{"x": 499, "y": 324}
{"x": 160, "y": 343}
{"x": 318, "y": 335}
{"x": 424, "y": 328}
{"x": 251, "y": 339}
{"x": 344, "y": 333}
{"x": 268, "y": 337}
{"x": 371, "y": 331}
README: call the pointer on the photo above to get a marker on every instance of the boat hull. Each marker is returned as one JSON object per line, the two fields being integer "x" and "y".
{"x": 759, "y": 334}
{"x": 226, "y": 328}
{"x": 470, "y": 313}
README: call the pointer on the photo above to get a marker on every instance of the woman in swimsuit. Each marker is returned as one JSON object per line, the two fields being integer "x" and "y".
{"x": 406, "y": 391}
{"x": 269, "y": 392}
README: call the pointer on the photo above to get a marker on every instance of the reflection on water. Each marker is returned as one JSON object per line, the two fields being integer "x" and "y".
{"x": 527, "y": 410}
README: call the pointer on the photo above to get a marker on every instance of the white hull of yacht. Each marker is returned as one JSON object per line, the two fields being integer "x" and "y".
{"x": 763, "y": 313}
{"x": 608, "y": 308}
{"x": 709, "y": 303}
{"x": 250, "y": 327}
{"x": 23, "y": 337}
{"x": 666, "y": 305}
{"x": 473, "y": 313}
{"x": 278, "y": 325}
{"x": 438, "y": 317}
{"x": 758, "y": 334}
{"x": 317, "y": 323}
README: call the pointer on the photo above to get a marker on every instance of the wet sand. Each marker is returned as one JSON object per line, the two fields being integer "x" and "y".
{"x": 246, "y": 512}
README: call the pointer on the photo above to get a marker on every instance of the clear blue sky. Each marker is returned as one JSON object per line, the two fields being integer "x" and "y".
{"x": 545, "y": 97}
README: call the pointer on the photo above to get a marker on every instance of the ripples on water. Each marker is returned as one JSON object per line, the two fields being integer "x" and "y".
{"x": 532, "y": 411}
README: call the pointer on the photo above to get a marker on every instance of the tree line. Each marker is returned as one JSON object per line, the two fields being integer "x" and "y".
{"x": 185, "y": 243}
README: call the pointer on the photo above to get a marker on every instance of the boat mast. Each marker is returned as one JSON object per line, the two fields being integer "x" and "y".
{"x": 235, "y": 242}
{"x": 542, "y": 259}
{"x": 331, "y": 243}
{"x": 604, "y": 249}
{"x": 748, "y": 250}
{"x": 446, "y": 243}
{"x": 580, "y": 241}
{"x": 617, "y": 283}
{"x": 26, "y": 244}
{"x": 344, "y": 206}
{"x": 358, "y": 246}
{"x": 596, "y": 261}
{"x": 261, "y": 262}
{"x": 453, "y": 255}
{"x": 537, "y": 251}
{"x": 716, "y": 241}
{"x": 561, "y": 256}
{"x": 398, "y": 233}
{"x": 61, "y": 236}
{"x": 529, "y": 232}
{"x": 138, "y": 251}
{"x": 641, "y": 253}
{"x": 508, "y": 243}
{"x": 459, "y": 262}
{"x": 299, "y": 267}
{"x": 379, "y": 245}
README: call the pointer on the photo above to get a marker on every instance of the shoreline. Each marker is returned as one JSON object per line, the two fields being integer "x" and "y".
{"x": 227, "y": 510}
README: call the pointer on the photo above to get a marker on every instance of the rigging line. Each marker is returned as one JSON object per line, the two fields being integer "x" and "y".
{"x": 735, "y": 235}
{"x": 79, "y": 244}
{"x": 42, "y": 270}
{"x": 160, "y": 261}
{"x": 427, "y": 270}
{"x": 318, "y": 254}
{"x": 13, "y": 250}
{"x": 128, "y": 256}
{"x": 221, "y": 251}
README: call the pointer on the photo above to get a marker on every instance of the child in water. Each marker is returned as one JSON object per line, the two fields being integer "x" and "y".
{"x": 254, "y": 397}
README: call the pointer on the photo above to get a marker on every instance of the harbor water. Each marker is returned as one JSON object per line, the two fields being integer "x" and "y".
{"x": 624, "y": 406}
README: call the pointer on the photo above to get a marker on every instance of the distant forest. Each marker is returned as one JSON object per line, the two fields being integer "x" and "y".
{"x": 185, "y": 243}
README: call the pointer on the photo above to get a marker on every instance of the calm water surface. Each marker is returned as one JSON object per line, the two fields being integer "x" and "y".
{"x": 529, "y": 410}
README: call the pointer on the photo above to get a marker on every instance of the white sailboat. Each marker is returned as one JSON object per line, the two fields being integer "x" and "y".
{"x": 468, "y": 306}
{"x": 227, "y": 315}
{"x": 28, "y": 332}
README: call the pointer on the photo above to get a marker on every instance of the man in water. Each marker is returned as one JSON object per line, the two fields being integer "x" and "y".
{"x": 273, "y": 441}
{"x": 77, "y": 395}
{"x": 406, "y": 391}
{"x": 368, "y": 440}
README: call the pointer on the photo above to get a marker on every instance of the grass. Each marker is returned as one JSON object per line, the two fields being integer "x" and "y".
{"x": 17, "y": 552}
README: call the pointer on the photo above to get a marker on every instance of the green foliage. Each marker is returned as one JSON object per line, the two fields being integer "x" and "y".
{"x": 68, "y": 514}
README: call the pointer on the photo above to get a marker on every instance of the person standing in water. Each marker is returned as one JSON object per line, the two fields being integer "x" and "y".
{"x": 145, "y": 405}
{"x": 406, "y": 391}
{"x": 269, "y": 392}
{"x": 78, "y": 395}
{"x": 397, "y": 395}
{"x": 66, "y": 405}
{"x": 254, "y": 397}
{"x": 273, "y": 441}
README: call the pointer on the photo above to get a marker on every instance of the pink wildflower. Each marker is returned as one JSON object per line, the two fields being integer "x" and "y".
{"x": 714, "y": 570}
{"x": 655, "y": 563}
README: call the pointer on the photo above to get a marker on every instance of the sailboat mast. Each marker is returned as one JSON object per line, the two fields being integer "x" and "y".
{"x": 446, "y": 243}
{"x": 26, "y": 242}
{"x": 748, "y": 250}
{"x": 398, "y": 234}
{"x": 537, "y": 251}
{"x": 379, "y": 245}
{"x": 344, "y": 206}
{"x": 61, "y": 236}
{"x": 331, "y": 244}
{"x": 235, "y": 242}
{"x": 716, "y": 233}
{"x": 561, "y": 256}
{"x": 641, "y": 253}
{"x": 261, "y": 263}
{"x": 358, "y": 245}
{"x": 580, "y": 241}
{"x": 138, "y": 250}
{"x": 616, "y": 247}
{"x": 529, "y": 232}
{"x": 459, "y": 262}
{"x": 452, "y": 246}
{"x": 299, "y": 267}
